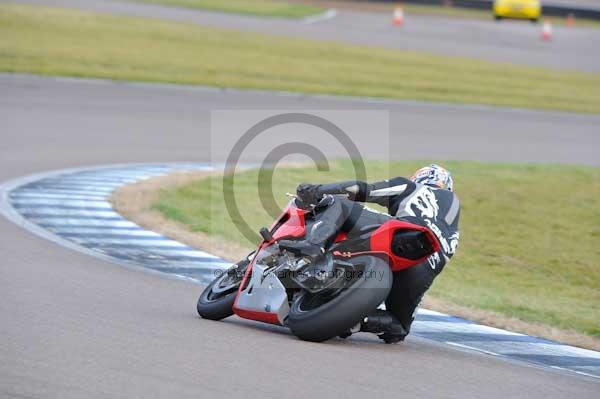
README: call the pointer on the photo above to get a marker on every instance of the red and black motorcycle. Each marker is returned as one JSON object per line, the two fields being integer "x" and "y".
{"x": 317, "y": 299}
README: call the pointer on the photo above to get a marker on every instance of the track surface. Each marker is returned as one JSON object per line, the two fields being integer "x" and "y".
{"x": 76, "y": 326}
{"x": 86, "y": 122}
{"x": 509, "y": 41}
{"x": 70, "y": 207}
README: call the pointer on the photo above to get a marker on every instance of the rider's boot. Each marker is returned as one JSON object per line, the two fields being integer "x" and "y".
{"x": 385, "y": 325}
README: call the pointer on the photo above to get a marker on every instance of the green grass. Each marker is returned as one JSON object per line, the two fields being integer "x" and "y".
{"x": 74, "y": 43}
{"x": 530, "y": 235}
{"x": 268, "y": 8}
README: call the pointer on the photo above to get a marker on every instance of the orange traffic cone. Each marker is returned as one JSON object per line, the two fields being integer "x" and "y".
{"x": 570, "y": 20}
{"x": 398, "y": 19}
{"x": 546, "y": 30}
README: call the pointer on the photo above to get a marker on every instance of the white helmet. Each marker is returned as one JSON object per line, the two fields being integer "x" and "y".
{"x": 434, "y": 175}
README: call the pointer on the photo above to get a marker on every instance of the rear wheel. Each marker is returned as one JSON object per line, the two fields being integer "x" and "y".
{"x": 324, "y": 315}
{"x": 216, "y": 301}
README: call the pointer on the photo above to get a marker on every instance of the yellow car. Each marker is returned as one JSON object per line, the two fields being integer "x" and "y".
{"x": 521, "y": 9}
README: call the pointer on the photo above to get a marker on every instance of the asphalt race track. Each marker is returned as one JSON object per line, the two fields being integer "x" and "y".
{"x": 77, "y": 326}
{"x": 71, "y": 208}
{"x": 97, "y": 122}
{"x": 508, "y": 41}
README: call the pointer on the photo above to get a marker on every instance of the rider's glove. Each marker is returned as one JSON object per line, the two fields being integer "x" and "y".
{"x": 309, "y": 193}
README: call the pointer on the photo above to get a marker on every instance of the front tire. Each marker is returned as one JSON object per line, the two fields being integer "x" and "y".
{"x": 216, "y": 301}
{"x": 347, "y": 308}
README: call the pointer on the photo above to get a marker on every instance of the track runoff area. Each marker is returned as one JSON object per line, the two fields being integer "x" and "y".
{"x": 71, "y": 208}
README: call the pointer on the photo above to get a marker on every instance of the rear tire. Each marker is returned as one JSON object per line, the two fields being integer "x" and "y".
{"x": 345, "y": 310}
{"x": 216, "y": 306}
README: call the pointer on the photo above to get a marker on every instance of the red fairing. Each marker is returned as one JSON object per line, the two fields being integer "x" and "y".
{"x": 293, "y": 223}
{"x": 244, "y": 283}
{"x": 265, "y": 317}
{"x": 341, "y": 236}
{"x": 381, "y": 240}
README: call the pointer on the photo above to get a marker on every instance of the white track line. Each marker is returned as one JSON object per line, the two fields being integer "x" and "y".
{"x": 41, "y": 195}
{"x": 64, "y": 191}
{"x": 64, "y": 202}
{"x": 165, "y": 242}
{"x": 91, "y": 230}
{"x": 327, "y": 15}
{"x": 67, "y": 213}
{"x": 450, "y": 327}
{"x": 54, "y": 222}
{"x": 104, "y": 189}
{"x": 471, "y": 348}
{"x": 189, "y": 254}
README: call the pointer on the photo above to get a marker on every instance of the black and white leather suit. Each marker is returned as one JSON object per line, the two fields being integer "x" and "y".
{"x": 436, "y": 209}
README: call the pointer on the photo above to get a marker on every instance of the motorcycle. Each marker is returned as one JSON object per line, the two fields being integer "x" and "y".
{"x": 317, "y": 299}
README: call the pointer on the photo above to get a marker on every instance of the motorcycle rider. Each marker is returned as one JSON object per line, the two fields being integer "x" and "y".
{"x": 426, "y": 199}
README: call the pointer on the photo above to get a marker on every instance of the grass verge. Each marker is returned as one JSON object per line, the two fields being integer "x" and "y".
{"x": 266, "y": 8}
{"x": 529, "y": 251}
{"x": 75, "y": 43}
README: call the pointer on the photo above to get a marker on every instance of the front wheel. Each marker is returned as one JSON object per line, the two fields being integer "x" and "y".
{"x": 324, "y": 315}
{"x": 216, "y": 301}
